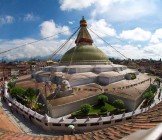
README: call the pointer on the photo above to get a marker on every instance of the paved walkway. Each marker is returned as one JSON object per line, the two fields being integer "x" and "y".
{"x": 23, "y": 123}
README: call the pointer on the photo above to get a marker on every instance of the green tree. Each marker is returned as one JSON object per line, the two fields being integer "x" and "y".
{"x": 118, "y": 104}
{"x": 148, "y": 95}
{"x": 102, "y": 99}
{"x": 85, "y": 109}
{"x": 30, "y": 92}
{"x": 17, "y": 92}
{"x": 153, "y": 88}
{"x": 11, "y": 85}
{"x": 103, "y": 109}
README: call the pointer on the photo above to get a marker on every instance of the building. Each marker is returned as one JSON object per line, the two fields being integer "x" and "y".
{"x": 85, "y": 66}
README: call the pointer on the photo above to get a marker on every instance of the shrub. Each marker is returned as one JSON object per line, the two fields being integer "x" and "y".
{"x": 11, "y": 85}
{"x": 103, "y": 109}
{"x": 17, "y": 92}
{"x": 30, "y": 92}
{"x": 133, "y": 76}
{"x": 102, "y": 99}
{"x": 149, "y": 95}
{"x": 85, "y": 108}
{"x": 153, "y": 88}
{"x": 118, "y": 104}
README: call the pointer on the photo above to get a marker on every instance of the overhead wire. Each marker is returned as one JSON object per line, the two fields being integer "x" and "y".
{"x": 73, "y": 52}
{"x": 61, "y": 47}
{"x": 34, "y": 41}
{"x": 68, "y": 47}
{"x": 108, "y": 44}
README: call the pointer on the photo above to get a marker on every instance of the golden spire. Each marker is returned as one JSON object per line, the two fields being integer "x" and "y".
{"x": 83, "y": 35}
{"x": 83, "y": 22}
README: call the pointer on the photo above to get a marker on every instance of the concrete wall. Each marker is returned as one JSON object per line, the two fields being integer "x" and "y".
{"x": 58, "y": 111}
{"x": 100, "y": 69}
{"x": 82, "y": 81}
{"x": 58, "y": 69}
{"x": 79, "y": 70}
{"x": 109, "y": 80}
{"x": 129, "y": 104}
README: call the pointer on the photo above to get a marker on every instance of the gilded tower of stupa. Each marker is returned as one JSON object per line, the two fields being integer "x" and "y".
{"x": 84, "y": 53}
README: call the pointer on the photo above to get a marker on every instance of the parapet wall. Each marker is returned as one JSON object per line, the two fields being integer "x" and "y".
{"x": 81, "y": 125}
{"x": 62, "y": 110}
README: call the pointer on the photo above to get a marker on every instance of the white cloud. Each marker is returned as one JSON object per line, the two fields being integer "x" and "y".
{"x": 49, "y": 28}
{"x": 42, "y": 48}
{"x": 47, "y": 47}
{"x": 102, "y": 28}
{"x": 71, "y": 22}
{"x": 114, "y": 10}
{"x": 6, "y": 19}
{"x": 134, "y": 52}
{"x": 126, "y": 50}
{"x": 124, "y": 10}
{"x": 30, "y": 17}
{"x": 157, "y": 36}
{"x": 75, "y": 4}
{"x": 136, "y": 34}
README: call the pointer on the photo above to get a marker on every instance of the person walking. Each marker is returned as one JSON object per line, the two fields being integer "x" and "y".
{"x": 10, "y": 106}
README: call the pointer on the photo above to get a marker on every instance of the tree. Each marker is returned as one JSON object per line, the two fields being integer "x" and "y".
{"x": 30, "y": 92}
{"x": 11, "y": 85}
{"x": 17, "y": 92}
{"x": 118, "y": 104}
{"x": 102, "y": 99}
{"x": 148, "y": 95}
{"x": 85, "y": 108}
{"x": 153, "y": 88}
{"x": 103, "y": 109}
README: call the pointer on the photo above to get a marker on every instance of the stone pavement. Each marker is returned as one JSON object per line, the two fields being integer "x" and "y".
{"x": 23, "y": 123}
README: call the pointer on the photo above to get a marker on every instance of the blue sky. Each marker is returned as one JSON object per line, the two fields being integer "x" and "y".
{"x": 134, "y": 27}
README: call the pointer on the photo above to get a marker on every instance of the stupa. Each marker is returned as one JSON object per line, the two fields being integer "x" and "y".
{"x": 85, "y": 66}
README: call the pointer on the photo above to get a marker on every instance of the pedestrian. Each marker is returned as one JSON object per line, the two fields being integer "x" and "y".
{"x": 10, "y": 106}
